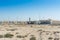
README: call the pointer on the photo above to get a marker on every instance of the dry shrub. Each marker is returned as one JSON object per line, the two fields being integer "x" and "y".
{"x": 33, "y": 38}
{"x": 8, "y": 35}
{"x": 1, "y": 36}
{"x": 19, "y": 36}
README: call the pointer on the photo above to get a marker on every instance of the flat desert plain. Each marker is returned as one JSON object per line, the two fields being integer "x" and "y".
{"x": 26, "y": 32}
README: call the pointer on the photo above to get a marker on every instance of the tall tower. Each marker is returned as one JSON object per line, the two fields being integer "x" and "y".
{"x": 50, "y": 21}
{"x": 29, "y": 19}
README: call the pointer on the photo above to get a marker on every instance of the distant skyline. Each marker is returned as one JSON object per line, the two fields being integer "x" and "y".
{"x": 23, "y": 9}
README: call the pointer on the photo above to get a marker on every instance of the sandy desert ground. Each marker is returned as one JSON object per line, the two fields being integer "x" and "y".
{"x": 25, "y": 32}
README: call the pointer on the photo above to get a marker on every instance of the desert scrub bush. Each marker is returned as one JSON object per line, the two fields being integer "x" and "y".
{"x": 8, "y": 35}
{"x": 1, "y": 36}
{"x": 19, "y": 36}
{"x": 33, "y": 38}
{"x": 11, "y": 29}
{"x": 17, "y": 32}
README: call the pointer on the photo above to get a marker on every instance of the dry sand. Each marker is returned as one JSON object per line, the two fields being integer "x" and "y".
{"x": 24, "y": 30}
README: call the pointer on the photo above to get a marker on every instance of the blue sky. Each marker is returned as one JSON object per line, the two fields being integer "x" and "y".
{"x": 35, "y": 9}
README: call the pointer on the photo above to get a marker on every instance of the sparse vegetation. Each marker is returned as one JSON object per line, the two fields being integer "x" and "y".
{"x": 32, "y": 38}
{"x": 8, "y": 35}
{"x": 17, "y": 33}
{"x": 26, "y": 32}
{"x": 19, "y": 36}
{"x": 11, "y": 29}
{"x": 1, "y": 36}
{"x": 50, "y": 38}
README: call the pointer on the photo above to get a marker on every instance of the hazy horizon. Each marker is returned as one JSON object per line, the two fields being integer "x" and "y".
{"x": 35, "y": 9}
